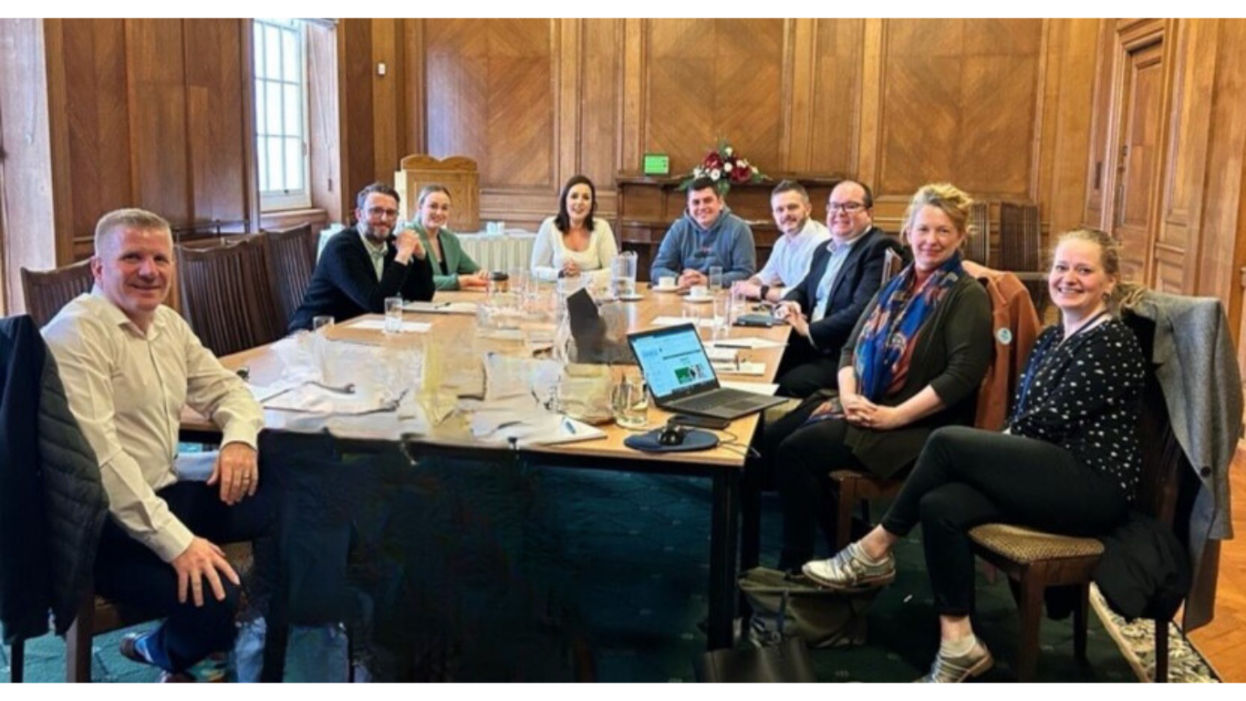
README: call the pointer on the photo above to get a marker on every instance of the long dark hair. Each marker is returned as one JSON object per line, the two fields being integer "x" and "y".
{"x": 563, "y": 220}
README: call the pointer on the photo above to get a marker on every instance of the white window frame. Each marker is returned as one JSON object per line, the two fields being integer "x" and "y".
{"x": 280, "y": 198}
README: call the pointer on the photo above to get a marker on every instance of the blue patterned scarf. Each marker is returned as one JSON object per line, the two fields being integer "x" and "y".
{"x": 881, "y": 357}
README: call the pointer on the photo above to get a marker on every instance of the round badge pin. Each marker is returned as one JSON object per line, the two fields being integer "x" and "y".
{"x": 1003, "y": 335}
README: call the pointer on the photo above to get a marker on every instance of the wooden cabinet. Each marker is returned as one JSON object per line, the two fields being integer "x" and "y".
{"x": 647, "y": 206}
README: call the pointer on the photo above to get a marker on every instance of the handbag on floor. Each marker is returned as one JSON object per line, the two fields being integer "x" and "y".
{"x": 819, "y": 617}
{"x": 786, "y": 661}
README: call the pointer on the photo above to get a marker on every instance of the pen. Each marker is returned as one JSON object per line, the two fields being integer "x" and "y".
{"x": 728, "y": 344}
{"x": 570, "y": 427}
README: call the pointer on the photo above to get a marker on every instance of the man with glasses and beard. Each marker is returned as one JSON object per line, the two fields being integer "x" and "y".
{"x": 363, "y": 265}
{"x": 843, "y": 276}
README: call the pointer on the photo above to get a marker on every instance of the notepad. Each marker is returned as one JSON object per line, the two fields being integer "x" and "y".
{"x": 752, "y": 342}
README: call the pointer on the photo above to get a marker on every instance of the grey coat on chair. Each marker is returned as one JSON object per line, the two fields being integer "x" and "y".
{"x": 1197, "y": 368}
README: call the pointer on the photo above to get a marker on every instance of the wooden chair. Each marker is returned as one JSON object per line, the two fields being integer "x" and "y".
{"x": 291, "y": 258}
{"x": 978, "y": 248}
{"x": 457, "y": 173}
{"x": 1034, "y": 560}
{"x": 226, "y": 296}
{"x": 46, "y": 291}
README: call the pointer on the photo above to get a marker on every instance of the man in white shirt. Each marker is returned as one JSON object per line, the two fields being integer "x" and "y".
{"x": 789, "y": 259}
{"x": 129, "y": 365}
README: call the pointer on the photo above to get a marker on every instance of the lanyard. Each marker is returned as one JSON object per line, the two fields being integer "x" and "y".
{"x": 1029, "y": 376}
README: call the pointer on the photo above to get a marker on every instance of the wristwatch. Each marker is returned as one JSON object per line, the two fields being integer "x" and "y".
{"x": 764, "y": 290}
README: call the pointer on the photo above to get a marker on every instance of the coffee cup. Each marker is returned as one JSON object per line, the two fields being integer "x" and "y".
{"x": 666, "y": 282}
{"x": 699, "y": 291}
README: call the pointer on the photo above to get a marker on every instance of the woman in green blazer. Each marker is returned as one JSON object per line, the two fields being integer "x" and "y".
{"x": 453, "y": 269}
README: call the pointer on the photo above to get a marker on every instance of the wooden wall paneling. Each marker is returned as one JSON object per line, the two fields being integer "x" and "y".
{"x": 56, "y": 102}
{"x": 246, "y": 88}
{"x": 28, "y": 206}
{"x": 838, "y": 111}
{"x": 327, "y": 188}
{"x": 714, "y": 78}
{"x": 386, "y": 106}
{"x": 456, "y": 65}
{"x": 1066, "y": 122}
{"x": 566, "y": 38}
{"x": 922, "y": 65}
{"x": 415, "y": 97}
{"x": 997, "y": 104}
{"x": 92, "y": 66}
{"x": 632, "y": 114}
{"x": 215, "y": 117}
{"x": 157, "y": 95}
{"x": 600, "y": 100}
{"x": 519, "y": 136}
{"x": 797, "y": 87}
{"x": 356, "y": 110}
{"x": 1185, "y": 158}
{"x": 1223, "y": 243}
{"x": 870, "y": 142}
{"x": 1097, "y": 175}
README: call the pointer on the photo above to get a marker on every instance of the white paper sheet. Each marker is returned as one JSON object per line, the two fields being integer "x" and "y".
{"x": 741, "y": 368}
{"x": 677, "y": 320}
{"x": 379, "y": 325}
{"x": 754, "y": 387}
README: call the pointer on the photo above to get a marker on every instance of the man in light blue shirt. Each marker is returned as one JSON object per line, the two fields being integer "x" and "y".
{"x": 789, "y": 260}
{"x": 707, "y": 235}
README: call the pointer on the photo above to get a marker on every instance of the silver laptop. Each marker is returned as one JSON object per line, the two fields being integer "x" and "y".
{"x": 681, "y": 378}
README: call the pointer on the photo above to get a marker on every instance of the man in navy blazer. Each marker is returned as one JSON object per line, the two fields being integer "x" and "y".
{"x": 843, "y": 276}
{"x": 361, "y": 266}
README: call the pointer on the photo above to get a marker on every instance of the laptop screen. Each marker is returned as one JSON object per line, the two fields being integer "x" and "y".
{"x": 673, "y": 361}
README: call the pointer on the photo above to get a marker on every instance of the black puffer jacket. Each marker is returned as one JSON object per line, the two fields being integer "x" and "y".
{"x": 52, "y": 504}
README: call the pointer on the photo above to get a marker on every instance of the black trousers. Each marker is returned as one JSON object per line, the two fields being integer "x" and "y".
{"x": 128, "y": 572}
{"x": 805, "y": 370}
{"x": 965, "y": 477}
{"x": 798, "y": 460}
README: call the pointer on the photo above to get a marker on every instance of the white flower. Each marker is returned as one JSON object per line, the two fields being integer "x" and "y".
{"x": 715, "y": 174}
{"x": 728, "y": 151}
{"x": 755, "y": 171}
{"x": 726, "y": 167}
{"x": 698, "y": 172}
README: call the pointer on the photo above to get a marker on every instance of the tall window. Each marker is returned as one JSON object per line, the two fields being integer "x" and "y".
{"x": 281, "y": 113}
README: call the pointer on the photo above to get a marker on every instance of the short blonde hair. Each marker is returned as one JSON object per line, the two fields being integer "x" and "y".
{"x": 947, "y": 198}
{"x": 129, "y": 218}
{"x": 430, "y": 189}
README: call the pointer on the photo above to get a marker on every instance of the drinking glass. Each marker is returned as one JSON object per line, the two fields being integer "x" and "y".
{"x": 623, "y": 274}
{"x": 716, "y": 279}
{"x": 722, "y": 317}
{"x": 629, "y": 400}
{"x": 393, "y": 314}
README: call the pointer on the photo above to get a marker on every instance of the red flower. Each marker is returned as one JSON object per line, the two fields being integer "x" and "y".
{"x": 712, "y": 161}
{"x": 740, "y": 174}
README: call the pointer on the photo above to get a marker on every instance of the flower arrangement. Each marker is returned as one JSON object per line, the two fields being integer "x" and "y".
{"x": 726, "y": 168}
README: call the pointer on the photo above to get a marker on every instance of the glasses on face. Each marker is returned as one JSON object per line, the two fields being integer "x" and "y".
{"x": 846, "y": 207}
{"x": 382, "y": 212}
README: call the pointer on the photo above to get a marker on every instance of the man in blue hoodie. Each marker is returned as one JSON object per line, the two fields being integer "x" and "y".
{"x": 707, "y": 235}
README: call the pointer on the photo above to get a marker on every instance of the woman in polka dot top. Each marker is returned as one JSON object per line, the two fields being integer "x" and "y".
{"x": 1068, "y": 462}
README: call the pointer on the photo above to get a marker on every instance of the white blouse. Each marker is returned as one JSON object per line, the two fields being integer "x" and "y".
{"x": 549, "y": 252}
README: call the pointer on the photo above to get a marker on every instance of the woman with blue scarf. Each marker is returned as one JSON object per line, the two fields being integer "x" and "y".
{"x": 913, "y": 363}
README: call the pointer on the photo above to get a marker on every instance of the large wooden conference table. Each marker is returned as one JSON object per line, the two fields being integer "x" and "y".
{"x": 723, "y": 465}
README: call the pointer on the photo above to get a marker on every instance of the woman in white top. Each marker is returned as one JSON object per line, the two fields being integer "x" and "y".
{"x": 575, "y": 241}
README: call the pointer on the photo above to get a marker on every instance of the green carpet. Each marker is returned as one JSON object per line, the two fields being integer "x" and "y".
{"x": 560, "y": 575}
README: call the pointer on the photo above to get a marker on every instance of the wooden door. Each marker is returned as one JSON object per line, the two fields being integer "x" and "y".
{"x": 1136, "y": 155}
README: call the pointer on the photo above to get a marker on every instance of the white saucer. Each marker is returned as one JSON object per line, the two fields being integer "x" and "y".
{"x": 655, "y": 288}
{"x": 631, "y": 298}
{"x": 699, "y": 300}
